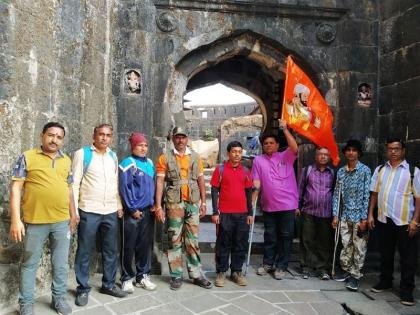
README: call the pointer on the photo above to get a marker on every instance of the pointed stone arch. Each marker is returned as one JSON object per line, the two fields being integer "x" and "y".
{"x": 207, "y": 52}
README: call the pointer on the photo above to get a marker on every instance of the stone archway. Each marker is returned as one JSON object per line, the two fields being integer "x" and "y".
{"x": 243, "y": 59}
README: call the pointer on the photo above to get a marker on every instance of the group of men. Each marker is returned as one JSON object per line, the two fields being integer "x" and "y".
{"x": 94, "y": 193}
{"x": 348, "y": 200}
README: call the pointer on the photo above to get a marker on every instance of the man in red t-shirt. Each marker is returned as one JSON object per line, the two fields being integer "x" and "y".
{"x": 231, "y": 190}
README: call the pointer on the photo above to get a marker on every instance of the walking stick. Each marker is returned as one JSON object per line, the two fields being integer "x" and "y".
{"x": 251, "y": 233}
{"x": 337, "y": 229}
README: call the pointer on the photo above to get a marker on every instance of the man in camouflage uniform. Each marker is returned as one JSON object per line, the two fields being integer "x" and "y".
{"x": 182, "y": 170}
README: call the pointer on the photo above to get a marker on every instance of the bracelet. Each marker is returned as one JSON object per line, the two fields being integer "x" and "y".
{"x": 203, "y": 203}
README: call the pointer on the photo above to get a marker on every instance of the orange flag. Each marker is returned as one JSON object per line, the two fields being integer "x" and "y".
{"x": 306, "y": 111}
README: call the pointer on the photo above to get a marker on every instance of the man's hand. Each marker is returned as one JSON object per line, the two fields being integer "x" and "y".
{"x": 120, "y": 213}
{"x": 136, "y": 215}
{"x": 74, "y": 221}
{"x": 249, "y": 219}
{"x": 202, "y": 210}
{"x": 412, "y": 229}
{"x": 282, "y": 124}
{"x": 363, "y": 225}
{"x": 17, "y": 231}
{"x": 297, "y": 212}
{"x": 371, "y": 222}
{"x": 334, "y": 223}
{"x": 159, "y": 214}
{"x": 215, "y": 219}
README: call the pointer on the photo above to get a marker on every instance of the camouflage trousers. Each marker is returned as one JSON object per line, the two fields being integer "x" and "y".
{"x": 183, "y": 228}
{"x": 353, "y": 254}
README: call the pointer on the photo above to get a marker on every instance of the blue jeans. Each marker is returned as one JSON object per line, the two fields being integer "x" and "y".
{"x": 137, "y": 243}
{"x": 89, "y": 225}
{"x": 278, "y": 238}
{"x": 36, "y": 234}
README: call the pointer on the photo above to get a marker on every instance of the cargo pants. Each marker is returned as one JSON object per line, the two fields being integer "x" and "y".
{"x": 183, "y": 229}
{"x": 353, "y": 254}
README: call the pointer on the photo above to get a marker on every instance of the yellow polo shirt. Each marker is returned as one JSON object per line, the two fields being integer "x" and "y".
{"x": 46, "y": 187}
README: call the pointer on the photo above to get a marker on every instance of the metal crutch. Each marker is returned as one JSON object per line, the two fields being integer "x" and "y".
{"x": 251, "y": 234}
{"x": 337, "y": 230}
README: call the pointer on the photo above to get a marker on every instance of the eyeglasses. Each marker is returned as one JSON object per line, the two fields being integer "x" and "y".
{"x": 394, "y": 149}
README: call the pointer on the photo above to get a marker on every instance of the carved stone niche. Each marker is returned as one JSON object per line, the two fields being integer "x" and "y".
{"x": 132, "y": 81}
{"x": 326, "y": 33}
{"x": 364, "y": 95}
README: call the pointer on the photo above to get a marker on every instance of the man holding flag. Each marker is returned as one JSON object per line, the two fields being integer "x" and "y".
{"x": 273, "y": 174}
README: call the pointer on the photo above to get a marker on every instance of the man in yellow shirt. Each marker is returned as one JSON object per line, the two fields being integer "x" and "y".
{"x": 48, "y": 212}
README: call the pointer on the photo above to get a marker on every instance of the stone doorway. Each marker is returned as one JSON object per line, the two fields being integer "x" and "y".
{"x": 244, "y": 60}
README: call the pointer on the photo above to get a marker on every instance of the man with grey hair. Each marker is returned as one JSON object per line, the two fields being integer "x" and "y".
{"x": 95, "y": 188}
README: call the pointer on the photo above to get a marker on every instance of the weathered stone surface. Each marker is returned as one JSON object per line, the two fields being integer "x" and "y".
{"x": 208, "y": 151}
{"x": 64, "y": 60}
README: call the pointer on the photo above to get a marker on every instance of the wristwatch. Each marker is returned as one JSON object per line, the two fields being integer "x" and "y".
{"x": 415, "y": 223}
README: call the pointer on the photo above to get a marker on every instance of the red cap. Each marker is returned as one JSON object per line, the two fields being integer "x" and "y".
{"x": 136, "y": 138}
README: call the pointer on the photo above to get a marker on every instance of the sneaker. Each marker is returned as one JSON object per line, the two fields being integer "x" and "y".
{"x": 380, "y": 287}
{"x": 82, "y": 298}
{"x": 407, "y": 299}
{"x": 324, "y": 276}
{"x": 202, "y": 282}
{"x": 220, "y": 280}
{"x": 61, "y": 306}
{"x": 26, "y": 309}
{"x": 264, "y": 270}
{"x": 145, "y": 283}
{"x": 341, "y": 276}
{"x": 127, "y": 286}
{"x": 238, "y": 278}
{"x": 279, "y": 274}
{"x": 175, "y": 283}
{"x": 352, "y": 284}
{"x": 114, "y": 291}
{"x": 305, "y": 274}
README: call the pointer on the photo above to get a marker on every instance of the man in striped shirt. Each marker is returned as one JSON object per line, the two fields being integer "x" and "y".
{"x": 396, "y": 191}
{"x": 315, "y": 193}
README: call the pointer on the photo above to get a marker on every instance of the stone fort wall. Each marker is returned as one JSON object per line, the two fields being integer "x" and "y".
{"x": 76, "y": 61}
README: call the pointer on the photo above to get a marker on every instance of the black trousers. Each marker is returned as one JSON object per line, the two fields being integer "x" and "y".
{"x": 137, "y": 243}
{"x": 316, "y": 242}
{"x": 390, "y": 236}
{"x": 278, "y": 238}
{"x": 232, "y": 240}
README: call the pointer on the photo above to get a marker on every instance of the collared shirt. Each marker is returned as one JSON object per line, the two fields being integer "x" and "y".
{"x": 183, "y": 164}
{"x": 318, "y": 191}
{"x": 395, "y": 192}
{"x": 96, "y": 190}
{"x": 46, "y": 186}
{"x": 354, "y": 192}
{"x": 232, "y": 197}
{"x": 278, "y": 181}
{"x": 136, "y": 183}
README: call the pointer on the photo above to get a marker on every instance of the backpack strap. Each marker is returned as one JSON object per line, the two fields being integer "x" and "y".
{"x": 305, "y": 177}
{"x": 221, "y": 167}
{"x": 412, "y": 171}
{"x": 88, "y": 154}
{"x": 87, "y": 158}
{"x": 244, "y": 168}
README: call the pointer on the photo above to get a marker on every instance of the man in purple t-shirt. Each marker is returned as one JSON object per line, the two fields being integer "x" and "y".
{"x": 274, "y": 177}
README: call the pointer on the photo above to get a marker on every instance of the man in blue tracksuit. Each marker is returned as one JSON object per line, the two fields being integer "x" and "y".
{"x": 137, "y": 189}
